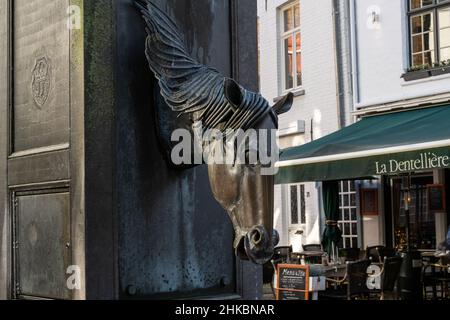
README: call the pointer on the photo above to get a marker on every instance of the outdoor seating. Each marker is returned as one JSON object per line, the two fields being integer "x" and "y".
{"x": 312, "y": 253}
{"x": 282, "y": 254}
{"x": 296, "y": 258}
{"x": 312, "y": 247}
{"x": 384, "y": 252}
{"x": 389, "y": 275}
{"x": 377, "y": 253}
{"x": 388, "y": 278}
{"x": 352, "y": 286}
{"x": 436, "y": 279}
{"x": 350, "y": 254}
{"x": 430, "y": 282}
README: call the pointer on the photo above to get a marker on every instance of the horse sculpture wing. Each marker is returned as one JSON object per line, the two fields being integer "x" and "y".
{"x": 186, "y": 85}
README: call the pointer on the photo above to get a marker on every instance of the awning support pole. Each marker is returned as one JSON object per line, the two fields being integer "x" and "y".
{"x": 407, "y": 186}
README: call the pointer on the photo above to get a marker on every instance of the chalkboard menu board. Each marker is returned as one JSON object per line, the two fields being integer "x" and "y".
{"x": 293, "y": 282}
{"x": 436, "y": 198}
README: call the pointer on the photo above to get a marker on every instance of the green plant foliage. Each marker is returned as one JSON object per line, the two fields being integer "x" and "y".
{"x": 419, "y": 67}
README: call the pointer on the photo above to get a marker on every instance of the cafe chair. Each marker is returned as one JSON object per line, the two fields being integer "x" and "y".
{"x": 436, "y": 276}
{"x": 296, "y": 258}
{"x": 313, "y": 253}
{"x": 282, "y": 254}
{"x": 430, "y": 282}
{"x": 352, "y": 286}
{"x": 372, "y": 253}
{"x": 384, "y": 252}
{"x": 388, "y": 278}
{"x": 350, "y": 254}
{"x": 377, "y": 253}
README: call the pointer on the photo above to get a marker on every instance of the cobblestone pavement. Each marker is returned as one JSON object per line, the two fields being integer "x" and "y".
{"x": 267, "y": 293}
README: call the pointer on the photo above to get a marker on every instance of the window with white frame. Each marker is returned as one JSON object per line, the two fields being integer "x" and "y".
{"x": 297, "y": 204}
{"x": 348, "y": 222}
{"x": 291, "y": 47}
{"x": 429, "y": 32}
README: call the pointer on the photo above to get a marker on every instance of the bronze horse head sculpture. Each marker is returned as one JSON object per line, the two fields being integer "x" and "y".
{"x": 217, "y": 102}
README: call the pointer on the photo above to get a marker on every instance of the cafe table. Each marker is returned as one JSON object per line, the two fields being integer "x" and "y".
{"x": 308, "y": 257}
{"x": 319, "y": 273}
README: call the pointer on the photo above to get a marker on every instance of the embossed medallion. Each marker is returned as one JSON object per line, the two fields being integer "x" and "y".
{"x": 41, "y": 81}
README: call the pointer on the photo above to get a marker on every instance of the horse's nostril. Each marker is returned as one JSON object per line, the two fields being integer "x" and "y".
{"x": 256, "y": 237}
{"x": 258, "y": 245}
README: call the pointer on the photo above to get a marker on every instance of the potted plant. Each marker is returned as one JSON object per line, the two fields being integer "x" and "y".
{"x": 417, "y": 72}
{"x": 441, "y": 68}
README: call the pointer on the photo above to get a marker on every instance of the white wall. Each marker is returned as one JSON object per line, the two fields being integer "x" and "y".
{"x": 319, "y": 102}
{"x": 383, "y": 56}
{"x": 371, "y": 231}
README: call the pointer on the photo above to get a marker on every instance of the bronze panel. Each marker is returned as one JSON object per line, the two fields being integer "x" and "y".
{"x": 39, "y": 168}
{"x": 41, "y": 74}
{"x": 42, "y": 224}
{"x": 77, "y": 151}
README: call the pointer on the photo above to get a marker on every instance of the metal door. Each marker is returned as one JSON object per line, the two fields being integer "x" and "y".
{"x": 38, "y": 148}
{"x": 42, "y": 243}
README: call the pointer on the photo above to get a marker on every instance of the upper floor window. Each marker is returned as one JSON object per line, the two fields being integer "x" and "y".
{"x": 291, "y": 45}
{"x": 429, "y": 32}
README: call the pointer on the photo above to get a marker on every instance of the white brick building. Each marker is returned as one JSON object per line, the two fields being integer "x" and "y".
{"x": 382, "y": 55}
{"x": 390, "y": 37}
{"x": 359, "y": 58}
{"x": 315, "y": 112}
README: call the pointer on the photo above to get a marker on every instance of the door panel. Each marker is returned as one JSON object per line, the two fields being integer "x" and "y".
{"x": 41, "y": 74}
{"x": 43, "y": 242}
{"x": 39, "y": 148}
{"x": 39, "y": 168}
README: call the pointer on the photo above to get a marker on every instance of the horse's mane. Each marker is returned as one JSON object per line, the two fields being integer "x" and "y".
{"x": 189, "y": 87}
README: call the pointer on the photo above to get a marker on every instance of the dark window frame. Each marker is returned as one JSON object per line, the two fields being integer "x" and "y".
{"x": 302, "y": 204}
{"x": 434, "y": 9}
{"x": 299, "y": 218}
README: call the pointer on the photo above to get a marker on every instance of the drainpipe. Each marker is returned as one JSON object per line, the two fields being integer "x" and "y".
{"x": 338, "y": 64}
{"x": 343, "y": 60}
{"x": 346, "y": 25}
{"x": 354, "y": 53}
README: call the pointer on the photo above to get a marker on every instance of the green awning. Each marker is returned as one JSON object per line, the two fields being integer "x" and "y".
{"x": 388, "y": 144}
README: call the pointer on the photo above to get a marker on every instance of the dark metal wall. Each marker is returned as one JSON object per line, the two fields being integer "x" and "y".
{"x": 174, "y": 239}
{"x": 154, "y": 231}
{"x": 244, "y": 44}
{"x": 100, "y": 184}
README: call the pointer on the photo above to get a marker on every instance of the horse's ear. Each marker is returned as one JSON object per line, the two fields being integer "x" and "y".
{"x": 284, "y": 105}
{"x": 233, "y": 92}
